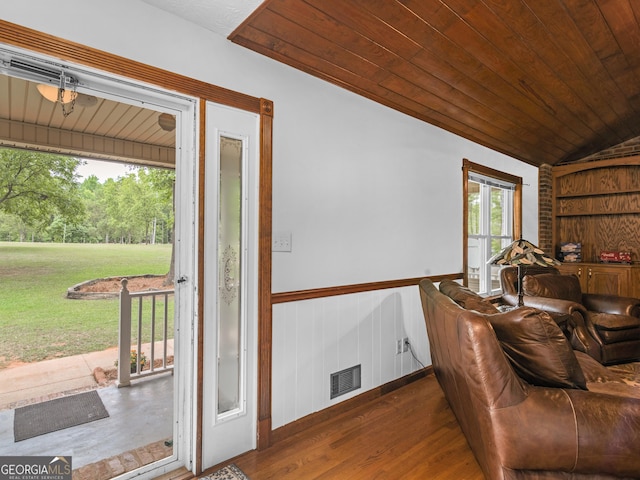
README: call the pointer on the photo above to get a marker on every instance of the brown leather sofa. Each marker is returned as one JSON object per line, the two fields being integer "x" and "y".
{"x": 529, "y": 429}
{"x": 607, "y": 327}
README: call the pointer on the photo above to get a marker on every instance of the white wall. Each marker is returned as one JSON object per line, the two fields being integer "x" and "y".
{"x": 368, "y": 194}
{"x": 313, "y": 339}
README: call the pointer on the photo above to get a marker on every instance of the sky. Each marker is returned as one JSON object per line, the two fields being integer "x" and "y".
{"x": 102, "y": 170}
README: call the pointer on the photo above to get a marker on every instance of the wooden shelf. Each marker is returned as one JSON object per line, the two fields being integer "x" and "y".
{"x": 597, "y": 204}
{"x": 596, "y": 194}
{"x": 586, "y": 214}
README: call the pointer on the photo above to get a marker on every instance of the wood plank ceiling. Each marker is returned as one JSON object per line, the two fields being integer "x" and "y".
{"x": 545, "y": 81}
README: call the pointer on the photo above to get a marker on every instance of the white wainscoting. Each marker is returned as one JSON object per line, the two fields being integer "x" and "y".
{"x": 314, "y": 338}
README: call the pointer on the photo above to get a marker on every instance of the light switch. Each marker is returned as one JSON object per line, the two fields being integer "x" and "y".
{"x": 281, "y": 242}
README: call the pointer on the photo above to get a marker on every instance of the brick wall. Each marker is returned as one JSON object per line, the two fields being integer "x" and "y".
{"x": 624, "y": 149}
{"x": 545, "y": 239}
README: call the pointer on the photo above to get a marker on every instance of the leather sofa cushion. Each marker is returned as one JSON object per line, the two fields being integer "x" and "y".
{"x": 612, "y": 321}
{"x": 466, "y": 298}
{"x": 550, "y": 285}
{"x": 614, "y": 328}
{"x": 594, "y": 371}
{"x": 537, "y": 349}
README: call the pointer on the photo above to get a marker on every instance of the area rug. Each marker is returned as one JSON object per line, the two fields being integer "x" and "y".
{"x": 230, "y": 472}
{"x": 64, "y": 412}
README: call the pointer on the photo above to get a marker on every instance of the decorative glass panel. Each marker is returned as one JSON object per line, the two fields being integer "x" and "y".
{"x": 229, "y": 268}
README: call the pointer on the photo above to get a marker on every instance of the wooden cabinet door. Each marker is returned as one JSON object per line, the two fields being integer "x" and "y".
{"x": 634, "y": 281}
{"x": 608, "y": 280}
{"x": 577, "y": 269}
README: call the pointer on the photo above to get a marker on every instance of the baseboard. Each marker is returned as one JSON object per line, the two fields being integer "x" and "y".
{"x": 310, "y": 420}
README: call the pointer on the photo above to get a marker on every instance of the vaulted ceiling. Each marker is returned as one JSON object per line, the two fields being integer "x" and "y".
{"x": 545, "y": 81}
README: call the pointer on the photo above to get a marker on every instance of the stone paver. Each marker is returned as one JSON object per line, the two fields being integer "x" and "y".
{"x": 125, "y": 462}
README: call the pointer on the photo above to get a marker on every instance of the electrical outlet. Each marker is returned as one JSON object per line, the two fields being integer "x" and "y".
{"x": 405, "y": 344}
{"x": 398, "y": 347}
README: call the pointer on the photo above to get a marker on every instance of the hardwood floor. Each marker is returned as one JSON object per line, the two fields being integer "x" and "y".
{"x": 410, "y": 433}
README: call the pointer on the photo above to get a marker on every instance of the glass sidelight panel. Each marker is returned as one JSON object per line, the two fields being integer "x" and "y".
{"x": 230, "y": 311}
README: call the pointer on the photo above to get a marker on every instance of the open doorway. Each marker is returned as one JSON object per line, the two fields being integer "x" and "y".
{"x": 114, "y": 120}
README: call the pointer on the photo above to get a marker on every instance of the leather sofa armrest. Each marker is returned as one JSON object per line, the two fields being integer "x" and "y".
{"x": 608, "y": 427}
{"x": 611, "y": 304}
{"x": 554, "y": 305}
{"x": 577, "y": 328}
{"x": 547, "y": 304}
{"x": 580, "y": 431}
{"x": 509, "y": 299}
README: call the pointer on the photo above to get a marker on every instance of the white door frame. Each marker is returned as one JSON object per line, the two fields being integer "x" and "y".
{"x": 185, "y": 108}
{"x": 224, "y": 436}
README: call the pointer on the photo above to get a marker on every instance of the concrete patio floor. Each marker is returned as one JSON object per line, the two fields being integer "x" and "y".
{"x": 40, "y": 381}
{"x": 139, "y": 415}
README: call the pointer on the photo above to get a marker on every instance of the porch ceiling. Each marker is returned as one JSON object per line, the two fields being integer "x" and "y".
{"x": 97, "y": 128}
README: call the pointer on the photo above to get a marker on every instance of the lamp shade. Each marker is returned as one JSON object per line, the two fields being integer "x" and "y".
{"x": 522, "y": 252}
{"x": 52, "y": 93}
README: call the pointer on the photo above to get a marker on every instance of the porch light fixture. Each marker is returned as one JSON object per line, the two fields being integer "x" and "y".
{"x": 52, "y": 93}
{"x": 60, "y": 94}
{"x": 55, "y": 88}
{"x": 519, "y": 253}
{"x": 167, "y": 122}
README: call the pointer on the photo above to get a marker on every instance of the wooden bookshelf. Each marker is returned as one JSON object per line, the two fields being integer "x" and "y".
{"x": 597, "y": 204}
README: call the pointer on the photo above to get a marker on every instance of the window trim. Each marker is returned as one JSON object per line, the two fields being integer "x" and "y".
{"x": 467, "y": 167}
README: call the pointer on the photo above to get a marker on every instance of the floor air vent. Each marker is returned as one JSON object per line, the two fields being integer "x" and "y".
{"x": 345, "y": 381}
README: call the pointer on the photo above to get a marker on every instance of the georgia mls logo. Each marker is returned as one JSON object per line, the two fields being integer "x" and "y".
{"x": 35, "y": 468}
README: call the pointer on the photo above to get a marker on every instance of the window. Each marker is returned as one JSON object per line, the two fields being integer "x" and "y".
{"x": 492, "y": 219}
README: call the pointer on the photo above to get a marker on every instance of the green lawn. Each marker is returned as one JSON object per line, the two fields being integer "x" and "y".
{"x": 38, "y": 322}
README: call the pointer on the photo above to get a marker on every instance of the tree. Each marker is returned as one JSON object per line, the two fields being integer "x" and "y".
{"x": 163, "y": 182}
{"x": 37, "y": 186}
{"x": 95, "y": 221}
{"x": 159, "y": 185}
{"x": 12, "y": 229}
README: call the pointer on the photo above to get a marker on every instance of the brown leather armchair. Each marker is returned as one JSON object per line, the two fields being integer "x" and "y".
{"x": 607, "y": 327}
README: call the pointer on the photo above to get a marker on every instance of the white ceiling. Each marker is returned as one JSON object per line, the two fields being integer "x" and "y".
{"x": 219, "y": 16}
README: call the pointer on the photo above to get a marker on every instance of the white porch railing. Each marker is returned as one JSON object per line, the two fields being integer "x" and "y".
{"x": 132, "y": 366}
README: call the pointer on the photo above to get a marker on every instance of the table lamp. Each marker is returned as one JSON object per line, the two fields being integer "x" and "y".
{"x": 522, "y": 252}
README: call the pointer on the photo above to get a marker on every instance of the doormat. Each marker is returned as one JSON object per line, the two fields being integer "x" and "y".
{"x": 60, "y": 413}
{"x": 230, "y": 472}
